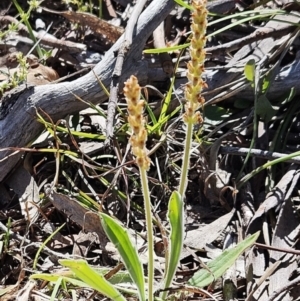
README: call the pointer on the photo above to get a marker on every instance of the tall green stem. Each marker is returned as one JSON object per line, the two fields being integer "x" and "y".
{"x": 148, "y": 213}
{"x": 186, "y": 159}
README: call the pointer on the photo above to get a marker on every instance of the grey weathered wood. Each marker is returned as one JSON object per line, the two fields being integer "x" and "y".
{"x": 17, "y": 121}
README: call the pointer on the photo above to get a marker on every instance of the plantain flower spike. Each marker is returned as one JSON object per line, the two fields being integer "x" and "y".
{"x": 132, "y": 92}
{"x": 196, "y": 65}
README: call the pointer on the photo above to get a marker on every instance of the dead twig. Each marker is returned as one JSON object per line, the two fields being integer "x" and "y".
{"x": 114, "y": 87}
{"x": 243, "y": 151}
{"x": 110, "y": 9}
{"x": 36, "y": 245}
{"x": 284, "y": 288}
{"x": 159, "y": 42}
{"x": 283, "y": 250}
{"x": 46, "y": 39}
{"x": 259, "y": 34}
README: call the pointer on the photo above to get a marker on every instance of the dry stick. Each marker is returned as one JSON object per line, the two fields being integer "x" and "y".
{"x": 46, "y": 39}
{"x": 286, "y": 287}
{"x": 283, "y": 250}
{"x": 259, "y": 34}
{"x": 14, "y": 235}
{"x": 268, "y": 272}
{"x": 36, "y": 245}
{"x": 114, "y": 87}
{"x": 159, "y": 42}
{"x": 243, "y": 151}
{"x": 110, "y": 9}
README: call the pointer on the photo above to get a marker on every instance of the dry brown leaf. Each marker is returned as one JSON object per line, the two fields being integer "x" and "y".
{"x": 285, "y": 236}
{"x": 198, "y": 238}
{"x": 88, "y": 220}
{"x": 24, "y": 185}
{"x": 37, "y": 74}
{"x": 83, "y": 244}
{"x": 98, "y": 26}
{"x": 41, "y": 75}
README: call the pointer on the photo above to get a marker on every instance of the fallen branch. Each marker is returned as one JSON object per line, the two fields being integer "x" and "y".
{"x": 242, "y": 151}
{"x": 18, "y": 108}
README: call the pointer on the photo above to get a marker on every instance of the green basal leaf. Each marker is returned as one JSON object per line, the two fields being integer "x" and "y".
{"x": 93, "y": 279}
{"x": 55, "y": 277}
{"x": 57, "y": 285}
{"x": 219, "y": 265}
{"x": 214, "y": 115}
{"x": 249, "y": 70}
{"x": 119, "y": 236}
{"x": 120, "y": 277}
{"x": 264, "y": 108}
{"x": 176, "y": 219}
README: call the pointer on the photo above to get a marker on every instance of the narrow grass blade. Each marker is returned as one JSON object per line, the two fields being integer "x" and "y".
{"x": 262, "y": 14}
{"x": 166, "y": 49}
{"x": 167, "y": 101}
{"x": 44, "y": 244}
{"x": 118, "y": 278}
{"x": 157, "y": 127}
{"x": 54, "y": 278}
{"x": 58, "y": 284}
{"x": 183, "y": 4}
{"x": 219, "y": 265}
{"x": 151, "y": 114}
{"x": 175, "y": 214}
{"x": 25, "y": 18}
{"x": 254, "y": 172}
{"x": 121, "y": 239}
{"x": 96, "y": 281}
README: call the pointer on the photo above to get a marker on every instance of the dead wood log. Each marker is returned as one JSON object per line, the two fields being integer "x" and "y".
{"x": 18, "y": 108}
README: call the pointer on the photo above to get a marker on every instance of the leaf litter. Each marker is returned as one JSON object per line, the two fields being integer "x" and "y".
{"x": 268, "y": 202}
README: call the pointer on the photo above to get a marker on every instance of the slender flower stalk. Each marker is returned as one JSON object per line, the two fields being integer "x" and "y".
{"x": 138, "y": 140}
{"x": 194, "y": 100}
